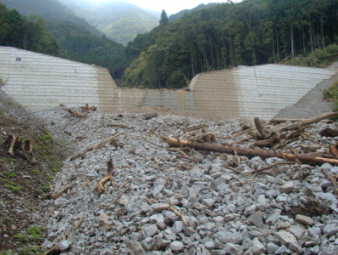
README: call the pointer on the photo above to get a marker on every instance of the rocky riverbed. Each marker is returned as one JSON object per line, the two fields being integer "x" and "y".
{"x": 164, "y": 200}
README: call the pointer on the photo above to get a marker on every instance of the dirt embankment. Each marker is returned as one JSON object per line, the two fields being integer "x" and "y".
{"x": 24, "y": 179}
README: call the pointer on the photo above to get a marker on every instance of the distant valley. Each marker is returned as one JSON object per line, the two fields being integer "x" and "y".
{"x": 119, "y": 21}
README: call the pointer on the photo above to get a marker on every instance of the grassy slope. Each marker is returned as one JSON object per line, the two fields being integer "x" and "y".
{"x": 332, "y": 95}
{"x": 23, "y": 185}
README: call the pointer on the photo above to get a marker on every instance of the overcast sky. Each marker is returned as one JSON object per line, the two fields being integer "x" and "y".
{"x": 171, "y": 6}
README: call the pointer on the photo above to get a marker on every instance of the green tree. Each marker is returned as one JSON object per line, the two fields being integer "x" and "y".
{"x": 222, "y": 35}
{"x": 164, "y": 18}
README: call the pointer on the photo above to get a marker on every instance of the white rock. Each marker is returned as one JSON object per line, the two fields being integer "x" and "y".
{"x": 210, "y": 244}
{"x": 64, "y": 245}
{"x": 176, "y": 246}
{"x": 178, "y": 227}
{"x": 219, "y": 219}
{"x": 150, "y": 230}
{"x": 330, "y": 229}
{"x": 228, "y": 237}
{"x": 159, "y": 219}
{"x": 271, "y": 248}
{"x": 262, "y": 201}
{"x": 256, "y": 219}
{"x": 124, "y": 200}
{"x": 297, "y": 230}
{"x": 288, "y": 239}
{"x": 257, "y": 247}
{"x": 209, "y": 202}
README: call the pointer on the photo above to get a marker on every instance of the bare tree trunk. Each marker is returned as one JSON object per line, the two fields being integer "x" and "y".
{"x": 278, "y": 49}
{"x": 292, "y": 41}
{"x": 311, "y": 38}
{"x": 304, "y": 47}
{"x": 322, "y": 32}
{"x": 192, "y": 65}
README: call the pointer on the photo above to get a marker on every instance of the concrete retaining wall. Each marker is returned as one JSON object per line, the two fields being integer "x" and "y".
{"x": 42, "y": 82}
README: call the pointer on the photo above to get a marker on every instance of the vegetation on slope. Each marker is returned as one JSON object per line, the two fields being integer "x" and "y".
{"x": 76, "y": 39}
{"x": 317, "y": 58}
{"x": 24, "y": 183}
{"x": 26, "y": 33}
{"x": 248, "y": 33}
{"x": 332, "y": 95}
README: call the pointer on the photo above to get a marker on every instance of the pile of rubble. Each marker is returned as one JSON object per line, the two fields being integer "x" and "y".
{"x": 126, "y": 191}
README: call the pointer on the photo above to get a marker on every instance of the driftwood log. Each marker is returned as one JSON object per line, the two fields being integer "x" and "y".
{"x": 303, "y": 158}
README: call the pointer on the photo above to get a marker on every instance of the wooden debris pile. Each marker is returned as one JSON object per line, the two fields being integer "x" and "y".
{"x": 273, "y": 138}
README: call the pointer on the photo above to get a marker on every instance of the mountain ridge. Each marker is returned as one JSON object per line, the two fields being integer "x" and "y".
{"x": 119, "y": 21}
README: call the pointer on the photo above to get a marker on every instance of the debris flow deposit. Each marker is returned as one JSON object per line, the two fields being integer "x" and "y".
{"x": 147, "y": 183}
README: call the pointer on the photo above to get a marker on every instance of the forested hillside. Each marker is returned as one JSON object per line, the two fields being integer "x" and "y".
{"x": 120, "y": 21}
{"x": 225, "y": 35}
{"x": 25, "y": 33}
{"x": 77, "y": 40}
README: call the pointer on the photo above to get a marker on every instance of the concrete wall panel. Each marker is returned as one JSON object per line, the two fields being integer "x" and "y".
{"x": 41, "y": 82}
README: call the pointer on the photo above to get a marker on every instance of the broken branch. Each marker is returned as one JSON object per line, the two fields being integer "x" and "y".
{"x": 305, "y": 123}
{"x": 262, "y": 132}
{"x": 100, "y": 185}
{"x": 73, "y": 113}
{"x": 111, "y": 140}
{"x": 60, "y": 193}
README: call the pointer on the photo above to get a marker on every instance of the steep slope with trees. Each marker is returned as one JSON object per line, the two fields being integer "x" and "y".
{"x": 25, "y": 33}
{"x": 119, "y": 21}
{"x": 224, "y": 35}
{"x": 76, "y": 39}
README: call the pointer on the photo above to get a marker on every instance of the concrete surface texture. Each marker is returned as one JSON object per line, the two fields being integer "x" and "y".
{"x": 42, "y": 82}
{"x": 262, "y": 91}
{"x": 242, "y": 92}
{"x": 39, "y": 81}
{"x": 311, "y": 104}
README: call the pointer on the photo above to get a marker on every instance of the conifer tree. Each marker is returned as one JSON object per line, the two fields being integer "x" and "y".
{"x": 164, "y": 18}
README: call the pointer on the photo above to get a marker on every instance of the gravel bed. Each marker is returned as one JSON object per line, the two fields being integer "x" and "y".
{"x": 164, "y": 201}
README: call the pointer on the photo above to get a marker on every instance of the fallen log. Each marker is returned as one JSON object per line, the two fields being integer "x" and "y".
{"x": 111, "y": 140}
{"x": 303, "y": 158}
